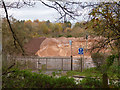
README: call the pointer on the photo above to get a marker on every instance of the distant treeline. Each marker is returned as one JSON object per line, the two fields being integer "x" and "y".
{"x": 26, "y": 30}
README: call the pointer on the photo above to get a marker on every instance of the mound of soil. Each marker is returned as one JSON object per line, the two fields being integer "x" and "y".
{"x": 33, "y": 45}
{"x": 61, "y": 47}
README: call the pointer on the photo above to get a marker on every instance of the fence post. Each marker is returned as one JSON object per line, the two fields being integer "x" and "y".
{"x": 71, "y": 63}
{"x": 81, "y": 64}
{"x": 27, "y": 63}
{"x": 62, "y": 63}
{"x": 46, "y": 63}
{"x": 37, "y": 63}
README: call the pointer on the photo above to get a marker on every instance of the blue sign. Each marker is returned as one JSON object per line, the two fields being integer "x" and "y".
{"x": 80, "y": 51}
{"x": 70, "y": 42}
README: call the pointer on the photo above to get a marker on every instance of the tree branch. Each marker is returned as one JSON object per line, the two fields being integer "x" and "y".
{"x": 13, "y": 33}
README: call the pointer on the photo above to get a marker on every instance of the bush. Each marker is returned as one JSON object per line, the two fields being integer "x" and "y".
{"x": 90, "y": 83}
{"x": 60, "y": 35}
{"x": 28, "y": 79}
{"x": 114, "y": 84}
{"x": 98, "y": 58}
{"x": 64, "y": 81}
{"x": 69, "y": 35}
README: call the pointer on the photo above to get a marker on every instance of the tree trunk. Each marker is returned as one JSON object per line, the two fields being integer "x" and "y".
{"x": 119, "y": 68}
{"x": 105, "y": 80}
{"x": 118, "y": 62}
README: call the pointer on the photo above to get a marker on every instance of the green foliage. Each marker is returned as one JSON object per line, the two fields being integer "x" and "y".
{"x": 69, "y": 35}
{"x": 98, "y": 58}
{"x": 113, "y": 71}
{"x": 91, "y": 83}
{"x": 10, "y": 46}
{"x": 110, "y": 60}
{"x": 28, "y": 79}
{"x": 53, "y": 73}
{"x": 60, "y": 35}
{"x": 114, "y": 84}
{"x": 105, "y": 22}
{"x": 91, "y": 72}
{"x": 64, "y": 81}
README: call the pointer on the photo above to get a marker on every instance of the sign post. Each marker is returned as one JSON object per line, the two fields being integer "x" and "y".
{"x": 81, "y": 52}
{"x": 70, "y": 42}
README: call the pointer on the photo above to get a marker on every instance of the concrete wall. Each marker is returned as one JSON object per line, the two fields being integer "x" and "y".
{"x": 54, "y": 63}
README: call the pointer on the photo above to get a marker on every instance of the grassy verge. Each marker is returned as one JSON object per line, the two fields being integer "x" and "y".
{"x": 93, "y": 72}
{"x": 27, "y": 79}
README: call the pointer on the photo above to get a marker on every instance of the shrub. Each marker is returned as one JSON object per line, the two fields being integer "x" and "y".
{"x": 27, "y": 79}
{"x": 90, "y": 83}
{"x": 98, "y": 58}
{"x": 114, "y": 84}
{"x": 65, "y": 82}
{"x": 69, "y": 35}
{"x": 60, "y": 35}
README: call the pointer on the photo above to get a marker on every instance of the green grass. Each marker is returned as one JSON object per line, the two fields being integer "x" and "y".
{"x": 93, "y": 72}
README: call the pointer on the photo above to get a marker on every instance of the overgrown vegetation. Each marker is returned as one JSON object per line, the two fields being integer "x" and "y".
{"x": 27, "y": 79}
{"x": 91, "y": 83}
{"x": 99, "y": 58}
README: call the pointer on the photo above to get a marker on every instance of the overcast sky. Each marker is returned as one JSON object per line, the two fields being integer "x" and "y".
{"x": 39, "y": 11}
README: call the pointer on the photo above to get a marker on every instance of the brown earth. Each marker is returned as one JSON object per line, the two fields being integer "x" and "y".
{"x": 33, "y": 45}
{"x": 60, "y": 46}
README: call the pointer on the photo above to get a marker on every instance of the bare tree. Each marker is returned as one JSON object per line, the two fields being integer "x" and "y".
{"x": 16, "y": 40}
{"x": 69, "y": 10}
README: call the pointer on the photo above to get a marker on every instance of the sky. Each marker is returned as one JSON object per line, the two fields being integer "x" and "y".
{"x": 39, "y": 11}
